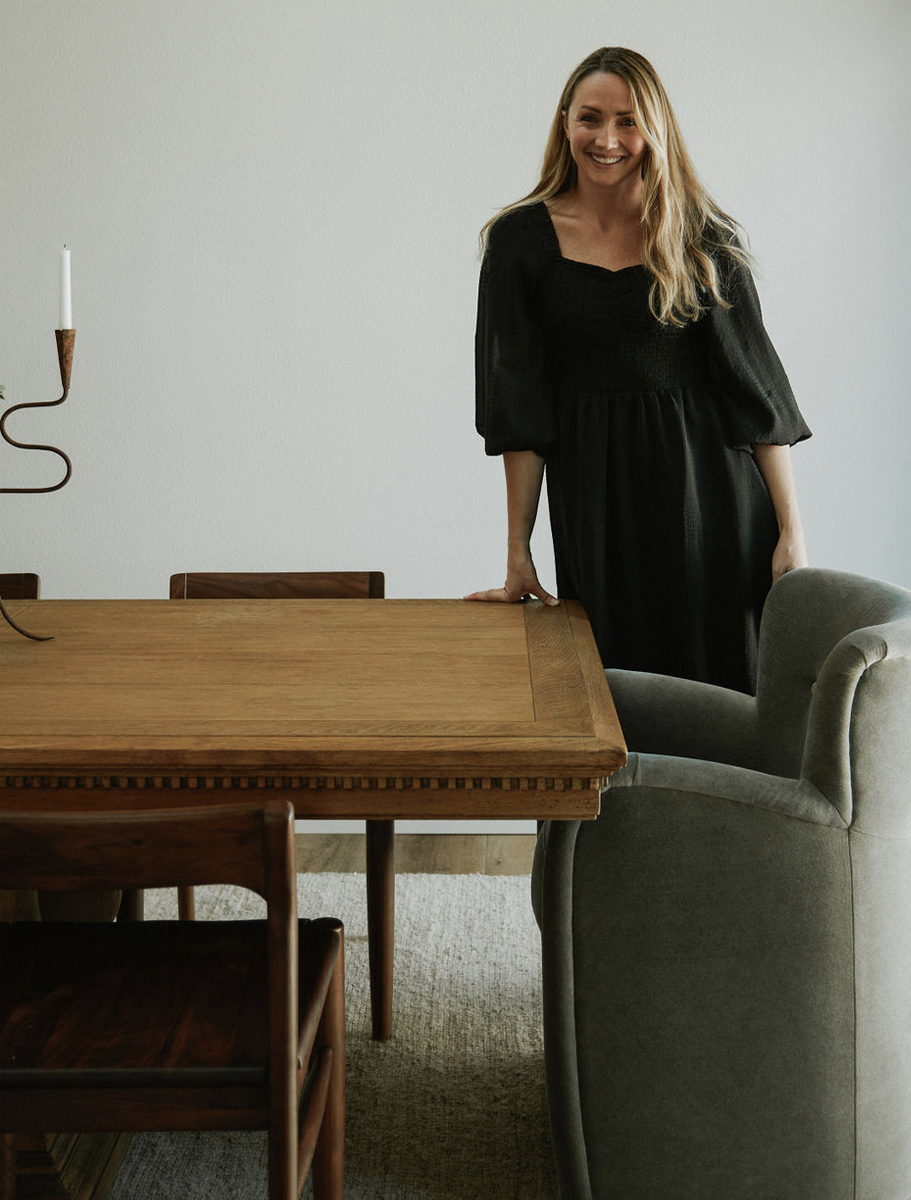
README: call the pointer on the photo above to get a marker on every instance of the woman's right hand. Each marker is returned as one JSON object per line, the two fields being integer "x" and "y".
{"x": 524, "y": 475}
{"x": 521, "y": 581}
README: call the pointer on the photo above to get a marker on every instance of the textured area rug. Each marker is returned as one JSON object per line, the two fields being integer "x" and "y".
{"x": 453, "y": 1107}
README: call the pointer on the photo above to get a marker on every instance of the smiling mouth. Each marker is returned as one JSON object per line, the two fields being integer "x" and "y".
{"x": 607, "y": 162}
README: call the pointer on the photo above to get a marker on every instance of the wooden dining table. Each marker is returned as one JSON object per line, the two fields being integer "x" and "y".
{"x": 393, "y": 709}
{"x": 354, "y": 709}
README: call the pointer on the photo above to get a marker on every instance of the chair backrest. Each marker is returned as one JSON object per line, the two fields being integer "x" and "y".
{"x": 229, "y": 844}
{"x": 807, "y": 614}
{"x": 19, "y": 586}
{"x": 281, "y": 585}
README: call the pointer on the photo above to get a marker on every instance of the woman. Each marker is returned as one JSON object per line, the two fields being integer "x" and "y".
{"x": 620, "y": 343}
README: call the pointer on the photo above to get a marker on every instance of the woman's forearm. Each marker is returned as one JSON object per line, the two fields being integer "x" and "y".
{"x": 774, "y": 464}
{"x": 524, "y": 476}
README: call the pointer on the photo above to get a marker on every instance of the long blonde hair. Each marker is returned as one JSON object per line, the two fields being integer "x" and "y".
{"x": 684, "y": 233}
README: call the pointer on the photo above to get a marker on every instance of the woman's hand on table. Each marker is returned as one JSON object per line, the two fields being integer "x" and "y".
{"x": 521, "y": 582}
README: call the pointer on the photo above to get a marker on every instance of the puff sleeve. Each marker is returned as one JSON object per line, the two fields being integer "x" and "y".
{"x": 513, "y": 394}
{"x": 761, "y": 407}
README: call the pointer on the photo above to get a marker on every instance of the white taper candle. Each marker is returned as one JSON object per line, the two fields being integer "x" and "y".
{"x": 66, "y": 296}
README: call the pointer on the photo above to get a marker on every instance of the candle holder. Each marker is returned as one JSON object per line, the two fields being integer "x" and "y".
{"x": 66, "y": 339}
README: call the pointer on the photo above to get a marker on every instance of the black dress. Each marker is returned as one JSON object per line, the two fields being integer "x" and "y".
{"x": 662, "y": 524}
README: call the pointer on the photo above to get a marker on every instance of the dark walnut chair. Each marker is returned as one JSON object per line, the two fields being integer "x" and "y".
{"x": 726, "y": 950}
{"x": 380, "y": 858}
{"x": 174, "y": 1025}
{"x": 21, "y": 585}
{"x": 18, "y": 586}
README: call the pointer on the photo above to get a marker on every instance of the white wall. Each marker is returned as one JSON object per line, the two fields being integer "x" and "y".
{"x": 273, "y": 206}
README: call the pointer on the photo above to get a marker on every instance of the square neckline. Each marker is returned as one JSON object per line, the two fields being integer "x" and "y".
{"x": 579, "y": 262}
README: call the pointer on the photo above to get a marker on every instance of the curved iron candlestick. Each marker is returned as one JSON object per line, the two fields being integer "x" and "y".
{"x": 66, "y": 339}
{"x": 36, "y": 637}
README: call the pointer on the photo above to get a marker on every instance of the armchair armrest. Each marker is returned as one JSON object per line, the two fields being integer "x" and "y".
{"x": 797, "y": 798}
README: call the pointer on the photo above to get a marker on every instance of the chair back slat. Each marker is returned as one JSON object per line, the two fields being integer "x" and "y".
{"x": 223, "y": 844}
{"x": 281, "y": 585}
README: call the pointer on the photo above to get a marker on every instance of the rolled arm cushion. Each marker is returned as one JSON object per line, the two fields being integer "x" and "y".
{"x": 790, "y": 797}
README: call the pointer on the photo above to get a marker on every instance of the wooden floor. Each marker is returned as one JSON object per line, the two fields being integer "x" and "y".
{"x": 422, "y": 853}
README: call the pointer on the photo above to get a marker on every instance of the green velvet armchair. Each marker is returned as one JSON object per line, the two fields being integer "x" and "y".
{"x": 727, "y": 949}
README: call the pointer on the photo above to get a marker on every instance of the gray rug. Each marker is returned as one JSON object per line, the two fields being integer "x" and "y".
{"x": 453, "y": 1106}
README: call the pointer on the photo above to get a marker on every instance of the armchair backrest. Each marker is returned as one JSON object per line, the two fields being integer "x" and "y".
{"x": 858, "y": 747}
{"x": 833, "y": 660}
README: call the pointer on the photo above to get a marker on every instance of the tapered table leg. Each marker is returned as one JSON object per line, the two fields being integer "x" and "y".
{"x": 381, "y": 922}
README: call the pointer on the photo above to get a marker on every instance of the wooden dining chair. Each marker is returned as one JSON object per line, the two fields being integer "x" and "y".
{"x": 21, "y": 585}
{"x": 174, "y": 1025}
{"x": 380, "y": 857}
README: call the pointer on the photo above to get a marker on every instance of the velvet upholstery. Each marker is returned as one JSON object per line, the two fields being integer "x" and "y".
{"x": 727, "y": 948}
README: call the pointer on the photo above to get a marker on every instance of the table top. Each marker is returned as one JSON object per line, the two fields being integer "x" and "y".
{"x": 363, "y": 707}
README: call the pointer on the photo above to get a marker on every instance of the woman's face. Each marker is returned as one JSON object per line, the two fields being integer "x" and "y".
{"x": 606, "y": 146}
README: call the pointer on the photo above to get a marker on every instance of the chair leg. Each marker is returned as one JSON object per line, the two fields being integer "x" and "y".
{"x": 132, "y": 906}
{"x": 8, "y": 1164}
{"x": 381, "y": 922}
{"x": 186, "y": 904}
{"x": 283, "y": 1178}
{"x": 329, "y": 1158}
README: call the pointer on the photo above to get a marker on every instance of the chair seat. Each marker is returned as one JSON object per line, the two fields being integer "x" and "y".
{"x": 79, "y": 1011}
